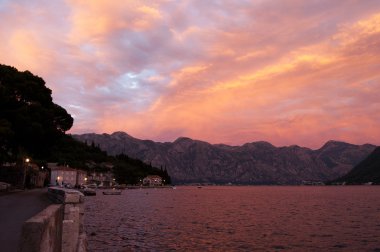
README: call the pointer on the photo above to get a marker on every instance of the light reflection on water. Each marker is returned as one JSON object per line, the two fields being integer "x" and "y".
{"x": 261, "y": 218}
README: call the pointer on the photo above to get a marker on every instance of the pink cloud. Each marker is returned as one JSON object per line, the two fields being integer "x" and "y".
{"x": 289, "y": 72}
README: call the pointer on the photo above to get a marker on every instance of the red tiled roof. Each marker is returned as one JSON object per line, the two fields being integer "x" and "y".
{"x": 64, "y": 168}
{"x": 153, "y": 177}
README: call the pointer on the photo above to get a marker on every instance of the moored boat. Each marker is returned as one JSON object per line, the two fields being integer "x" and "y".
{"x": 113, "y": 192}
{"x": 88, "y": 192}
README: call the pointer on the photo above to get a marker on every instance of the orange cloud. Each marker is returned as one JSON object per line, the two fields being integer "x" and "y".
{"x": 93, "y": 20}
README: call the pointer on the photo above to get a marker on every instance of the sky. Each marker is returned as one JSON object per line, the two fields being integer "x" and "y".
{"x": 283, "y": 71}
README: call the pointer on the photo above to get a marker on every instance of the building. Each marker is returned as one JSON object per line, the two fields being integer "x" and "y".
{"x": 64, "y": 175}
{"x": 81, "y": 177}
{"x": 23, "y": 175}
{"x": 152, "y": 180}
{"x": 105, "y": 179}
{"x": 35, "y": 177}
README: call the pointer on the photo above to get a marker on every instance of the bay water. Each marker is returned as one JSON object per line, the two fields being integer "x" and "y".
{"x": 236, "y": 218}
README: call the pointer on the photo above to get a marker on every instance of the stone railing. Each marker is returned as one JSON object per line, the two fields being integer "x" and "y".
{"x": 59, "y": 227}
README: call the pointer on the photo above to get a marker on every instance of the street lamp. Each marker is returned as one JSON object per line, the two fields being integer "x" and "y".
{"x": 27, "y": 160}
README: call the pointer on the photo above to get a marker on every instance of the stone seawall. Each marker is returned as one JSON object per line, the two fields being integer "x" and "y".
{"x": 59, "y": 227}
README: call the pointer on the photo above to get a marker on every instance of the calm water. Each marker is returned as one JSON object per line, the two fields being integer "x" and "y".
{"x": 256, "y": 218}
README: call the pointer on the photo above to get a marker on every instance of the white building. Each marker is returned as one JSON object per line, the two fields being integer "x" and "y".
{"x": 63, "y": 175}
{"x": 101, "y": 178}
{"x": 152, "y": 180}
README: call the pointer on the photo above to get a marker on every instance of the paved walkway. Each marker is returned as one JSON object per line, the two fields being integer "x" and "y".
{"x": 15, "y": 209}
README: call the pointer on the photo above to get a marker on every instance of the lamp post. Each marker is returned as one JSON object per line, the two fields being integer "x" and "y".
{"x": 26, "y": 164}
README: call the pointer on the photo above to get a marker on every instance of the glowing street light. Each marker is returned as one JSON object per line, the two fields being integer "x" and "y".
{"x": 27, "y": 160}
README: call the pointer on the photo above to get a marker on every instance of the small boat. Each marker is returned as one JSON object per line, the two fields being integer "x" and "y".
{"x": 89, "y": 192}
{"x": 113, "y": 192}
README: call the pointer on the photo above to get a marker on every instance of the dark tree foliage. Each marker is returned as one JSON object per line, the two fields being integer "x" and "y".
{"x": 29, "y": 120}
{"x": 166, "y": 177}
{"x": 68, "y": 151}
{"x": 131, "y": 171}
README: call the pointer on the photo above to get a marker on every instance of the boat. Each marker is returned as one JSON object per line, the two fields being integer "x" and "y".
{"x": 113, "y": 192}
{"x": 88, "y": 192}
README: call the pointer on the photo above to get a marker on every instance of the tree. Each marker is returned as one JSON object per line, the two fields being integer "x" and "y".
{"x": 29, "y": 120}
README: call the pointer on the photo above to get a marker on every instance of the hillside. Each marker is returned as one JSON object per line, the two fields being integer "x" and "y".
{"x": 366, "y": 171}
{"x": 127, "y": 170}
{"x": 193, "y": 161}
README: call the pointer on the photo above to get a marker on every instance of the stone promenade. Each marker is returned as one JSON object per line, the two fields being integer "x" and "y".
{"x": 15, "y": 209}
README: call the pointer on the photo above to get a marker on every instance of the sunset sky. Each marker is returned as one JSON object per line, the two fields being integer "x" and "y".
{"x": 283, "y": 71}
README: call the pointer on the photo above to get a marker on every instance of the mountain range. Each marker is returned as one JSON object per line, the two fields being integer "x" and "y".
{"x": 194, "y": 161}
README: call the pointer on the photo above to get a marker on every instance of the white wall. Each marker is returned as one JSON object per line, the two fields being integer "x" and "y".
{"x": 62, "y": 176}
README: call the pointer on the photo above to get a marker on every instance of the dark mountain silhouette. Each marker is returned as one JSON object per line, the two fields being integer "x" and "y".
{"x": 366, "y": 171}
{"x": 193, "y": 161}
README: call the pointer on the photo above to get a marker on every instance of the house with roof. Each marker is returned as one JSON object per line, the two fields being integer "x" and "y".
{"x": 63, "y": 175}
{"x": 152, "y": 180}
{"x": 105, "y": 178}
